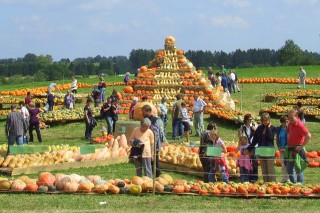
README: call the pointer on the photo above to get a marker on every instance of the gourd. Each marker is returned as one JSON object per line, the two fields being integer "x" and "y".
{"x": 136, "y": 180}
{"x": 7, "y": 161}
{"x": 162, "y": 181}
{"x": 85, "y": 187}
{"x": 158, "y": 187}
{"x": 114, "y": 189}
{"x": 18, "y": 185}
{"x": 123, "y": 141}
{"x": 147, "y": 186}
{"x": 123, "y": 190}
{"x": 94, "y": 178}
{"x": 31, "y": 187}
{"x": 101, "y": 189}
{"x": 167, "y": 177}
{"x": 115, "y": 148}
{"x": 71, "y": 187}
{"x": 43, "y": 189}
{"x": 4, "y": 185}
{"x": 135, "y": 189}
{"x": 46, "y": 179}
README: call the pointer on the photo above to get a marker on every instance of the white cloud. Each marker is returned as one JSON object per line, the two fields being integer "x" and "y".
{"x": 228, "y": 21}
{"x": 39, "y": 27}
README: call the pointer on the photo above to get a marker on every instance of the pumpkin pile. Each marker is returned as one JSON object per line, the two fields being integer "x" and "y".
{"x": 189, "y": 157}
{"x": 169, "y": 74}
{"x": 63, "y": 154}
{"x": 74, "y": 183}
{"x": 277, "y": 80}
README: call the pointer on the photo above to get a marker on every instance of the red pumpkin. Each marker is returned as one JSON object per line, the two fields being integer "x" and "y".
{"x": 46, "y": 179}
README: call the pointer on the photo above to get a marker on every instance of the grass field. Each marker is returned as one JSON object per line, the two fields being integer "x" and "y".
{"x": 73, "y": 133}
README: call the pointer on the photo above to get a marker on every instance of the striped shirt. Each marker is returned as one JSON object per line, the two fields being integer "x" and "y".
{"x": 15, "y": 124}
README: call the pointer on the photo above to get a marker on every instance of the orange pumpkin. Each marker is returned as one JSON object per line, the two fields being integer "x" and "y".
{"x": 31, "y": 187}
{"x": 46, "y": 179}
{"x": 143, "y": 69}
{"x": 137, "y": 115}
{"x": 128, "y": 89}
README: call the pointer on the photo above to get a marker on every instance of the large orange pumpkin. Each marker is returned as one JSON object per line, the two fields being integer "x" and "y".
{"x": 137, "y": 115}
{"x": 143, "y": 69}
{"x": 128, "y": 89}
{"x": 46, "y": 179}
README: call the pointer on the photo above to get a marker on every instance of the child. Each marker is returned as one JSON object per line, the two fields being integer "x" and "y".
{"x": 127, "y": 78}
{"x": 218, "y": 164}
{"x": 282, "y": 142}
{"x": 244, "y": 161}
{"x": 103, "y": 130}
{"x": 185, "y": 121}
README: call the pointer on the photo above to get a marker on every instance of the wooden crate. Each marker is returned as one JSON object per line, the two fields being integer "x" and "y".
{"x": 64, "y": 166}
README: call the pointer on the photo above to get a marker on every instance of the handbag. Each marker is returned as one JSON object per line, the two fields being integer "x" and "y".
{"x": 93, "y": 122}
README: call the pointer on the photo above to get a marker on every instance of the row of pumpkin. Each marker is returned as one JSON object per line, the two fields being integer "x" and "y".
{"x": 73, "y": 183}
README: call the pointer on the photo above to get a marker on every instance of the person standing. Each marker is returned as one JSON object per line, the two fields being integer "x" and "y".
{"x": 282, "y": 142}
{"x": 211, "y": 77}
{"x": 96, "y": 95}
{"x": 144, "y": 134}
{"x": 185, "y": 121}
{"x": 88, "y": 116}
{"x": 132, "y": 106}
{"x": 26, "y": 116}
{"x": 302, "y": 78}
{"x": 223, "y": 70}
{"x": 224, "y": 83}
{"x": 50, "y": 100}
{"x": 27, "y": 100}
{"x": 177, "y": 128}
{"x": 236, "y": 86}
{"x": 298, "y": 138}
{"x": 102, "y": 88}
{"x": 52, "y": 86}
{"x": 163, "y": 114}
{"x": 218, "y": 164}
{"x": 74, "y": 85}
{"x": 243, "y": 160}
{"x": 232, "y": 82}
{"x": 158, "y": 134}
{"x": 301, "y": 113}
{"x": 199, "y": 107}
{"x": 109, "y": 111}
{"x": 15, "y": 128}
{"x": 34, "y": 122}
{"x": 205, "y": 141}
{"x": 264, "y": 137}
{"x": 126, "y": 78}
{"x": 69, "y": 100}
{"x": 247, "y": 129}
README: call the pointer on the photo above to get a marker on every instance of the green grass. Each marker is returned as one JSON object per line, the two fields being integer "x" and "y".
{"x": 72, "y": 134}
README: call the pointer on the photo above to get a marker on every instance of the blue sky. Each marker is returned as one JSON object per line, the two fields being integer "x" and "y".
{"x": 79, "y": 28}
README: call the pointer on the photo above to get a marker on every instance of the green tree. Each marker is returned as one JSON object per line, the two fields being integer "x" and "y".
{"x": 290, "y": 53}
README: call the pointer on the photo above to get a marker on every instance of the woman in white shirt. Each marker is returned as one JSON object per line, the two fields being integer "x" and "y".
{"x": 26, "y": 116}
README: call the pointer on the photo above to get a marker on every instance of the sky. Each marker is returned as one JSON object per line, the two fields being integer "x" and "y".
{"x": 84, "y": 28}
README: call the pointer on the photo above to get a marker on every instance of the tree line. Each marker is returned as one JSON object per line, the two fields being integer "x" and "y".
{"x": 42, "y": 67}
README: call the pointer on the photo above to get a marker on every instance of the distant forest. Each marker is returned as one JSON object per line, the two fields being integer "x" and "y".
{"x": 42, "y": 67}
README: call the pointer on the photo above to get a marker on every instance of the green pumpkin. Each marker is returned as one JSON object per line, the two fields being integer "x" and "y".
{"x": 124, "y": 190}
{"x": 168, "y": 188}
{"x": 121, "y": 184}
{"x": 43, "y": 189}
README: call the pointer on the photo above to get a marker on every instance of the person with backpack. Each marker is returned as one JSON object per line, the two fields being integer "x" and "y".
{"x": 158, "y": 134}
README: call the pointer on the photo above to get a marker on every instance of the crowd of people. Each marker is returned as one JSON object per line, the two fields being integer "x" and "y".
{"x": 291, "y": 135}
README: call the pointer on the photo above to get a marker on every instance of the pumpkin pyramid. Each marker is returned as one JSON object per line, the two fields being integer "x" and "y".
{"x": 170, "y": 73}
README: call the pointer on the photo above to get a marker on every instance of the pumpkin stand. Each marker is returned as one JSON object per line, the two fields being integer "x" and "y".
{"x": 171, "y": 73}
{"x": 48, "y": 183}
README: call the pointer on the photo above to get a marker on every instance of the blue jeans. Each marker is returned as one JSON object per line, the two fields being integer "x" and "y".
{"x": 164, "y": 120}
{"x": 102, "y": 90}
{"x": 177, "y": 128}
{"x": 244, "y": 174}
{"x": 144, "y": 163}
{"x": 88, "y": 131}
{"x": 14, "y": 138}
{"x": 109, "y": 121}
{"x": 213, "y": 170}
{"x": 293, "y": 170}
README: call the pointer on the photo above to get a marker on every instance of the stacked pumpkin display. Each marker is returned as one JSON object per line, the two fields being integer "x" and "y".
{"x": 169, "y": 74}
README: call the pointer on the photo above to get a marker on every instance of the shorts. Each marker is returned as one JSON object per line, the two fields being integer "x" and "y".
{"x": 186, "y": 126}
